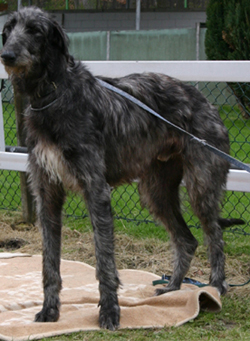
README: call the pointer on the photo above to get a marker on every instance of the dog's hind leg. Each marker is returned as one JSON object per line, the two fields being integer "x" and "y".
{"x": 159, "y": 191}
{"x": 50, "y": 198}
{"x": 204, "y": 181}
{"x": 99, "y": 205}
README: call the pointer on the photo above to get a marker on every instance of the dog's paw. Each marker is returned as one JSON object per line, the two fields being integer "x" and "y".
{"x": 109, "y": 317}
{"x": 222, "y": 287}
{"x": 164, "y": 290}
{"x": 47, "y": 315}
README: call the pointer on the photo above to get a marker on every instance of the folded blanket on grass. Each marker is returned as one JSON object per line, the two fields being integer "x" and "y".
{"x": 21, "y": 297}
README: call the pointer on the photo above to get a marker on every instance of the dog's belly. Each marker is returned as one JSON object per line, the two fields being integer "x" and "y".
{"x": 52, "y": 161}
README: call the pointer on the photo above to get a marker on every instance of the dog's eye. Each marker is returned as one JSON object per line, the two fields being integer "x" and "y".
{"x": 6, "y": 31}
{"x": 5, "y": 35}
{"x": 35, "y": 32}
{"x": 12, "y": 24}
{"x": 32, "y": 29}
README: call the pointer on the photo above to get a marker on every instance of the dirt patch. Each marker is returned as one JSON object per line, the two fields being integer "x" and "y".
{"x": 148, "y": 254}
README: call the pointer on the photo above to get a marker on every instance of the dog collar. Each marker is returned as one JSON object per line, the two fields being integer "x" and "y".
{"x": 51, "y": 87}
{"x": 45, "y": 107}
{"x": 47, "y": 91}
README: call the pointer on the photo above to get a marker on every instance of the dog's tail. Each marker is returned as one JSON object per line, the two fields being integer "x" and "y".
{"x": 230, "y": 222}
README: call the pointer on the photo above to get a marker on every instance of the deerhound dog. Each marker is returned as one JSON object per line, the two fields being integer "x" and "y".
{"x": 83, "y": 137}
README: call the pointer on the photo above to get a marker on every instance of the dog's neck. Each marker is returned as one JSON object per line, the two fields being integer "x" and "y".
{"x": 44, "y": 96}
{"x": 40, "y": 93}
{"x": 46, "y": 90}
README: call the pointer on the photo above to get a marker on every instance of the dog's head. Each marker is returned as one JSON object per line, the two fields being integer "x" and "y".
{"x": 32, "y": 38}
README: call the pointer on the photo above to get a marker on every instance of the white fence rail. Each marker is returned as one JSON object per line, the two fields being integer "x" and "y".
{"x": 205, "y": 71}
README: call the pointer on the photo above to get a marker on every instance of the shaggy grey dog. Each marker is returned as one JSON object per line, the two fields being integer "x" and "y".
{"x": 86, "y": 138}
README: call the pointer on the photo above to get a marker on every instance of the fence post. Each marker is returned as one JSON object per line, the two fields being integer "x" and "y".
{"x": 26, "y": 197}
{"x": 197, "y": 30}
{"x": 138, "y": 15}
{"x": 108, "y": 46}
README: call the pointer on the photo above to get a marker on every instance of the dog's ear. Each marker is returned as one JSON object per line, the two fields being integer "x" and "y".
{"x": 59, "y": 38}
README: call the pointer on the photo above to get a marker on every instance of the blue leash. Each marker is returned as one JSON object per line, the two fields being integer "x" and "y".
{"x": 165, "y": 280}
{"x": 215, "y": 150}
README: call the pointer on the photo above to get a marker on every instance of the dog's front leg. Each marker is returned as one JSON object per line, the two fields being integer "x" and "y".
{"x": 98, "y": 200}
{"x": 50, "y": 198}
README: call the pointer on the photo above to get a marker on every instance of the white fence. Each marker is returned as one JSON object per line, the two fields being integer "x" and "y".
{"x": 205, "y": 71}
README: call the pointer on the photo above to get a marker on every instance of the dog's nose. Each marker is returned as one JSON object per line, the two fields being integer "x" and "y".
{"x": 8, "y": 57}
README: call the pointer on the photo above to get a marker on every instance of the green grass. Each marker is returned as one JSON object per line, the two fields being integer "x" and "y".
{"x": 9, "y": 124}
{"x": 9, "y": 180}
{"x": 239, "y": 132}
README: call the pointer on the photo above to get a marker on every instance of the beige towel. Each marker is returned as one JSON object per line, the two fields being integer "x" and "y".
{"x": 21, "y": 298}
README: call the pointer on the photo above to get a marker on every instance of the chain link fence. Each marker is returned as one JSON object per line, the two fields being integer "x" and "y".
{"x": 125, "y": 199}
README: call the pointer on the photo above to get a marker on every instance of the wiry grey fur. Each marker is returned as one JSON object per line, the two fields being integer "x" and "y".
{"x": 85, "y": 138}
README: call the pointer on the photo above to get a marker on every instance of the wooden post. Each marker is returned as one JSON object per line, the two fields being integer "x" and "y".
{"x": 28, "y": 208}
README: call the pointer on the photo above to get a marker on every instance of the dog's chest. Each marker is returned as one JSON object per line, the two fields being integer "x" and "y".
{"x": 52, "y": 161}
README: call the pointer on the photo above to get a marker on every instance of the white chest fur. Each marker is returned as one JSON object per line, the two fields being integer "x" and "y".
{"x": 51, "y": 160}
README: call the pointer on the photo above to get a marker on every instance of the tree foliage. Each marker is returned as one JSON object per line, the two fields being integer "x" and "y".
{"x": 228, "y": 38}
